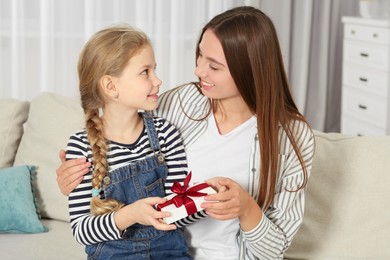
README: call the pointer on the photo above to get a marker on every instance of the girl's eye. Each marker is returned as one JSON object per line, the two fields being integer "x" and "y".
{"x": 145, "y": 72}
{"x": 213, "y": 68}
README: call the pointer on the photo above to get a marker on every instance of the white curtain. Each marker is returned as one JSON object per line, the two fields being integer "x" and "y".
{"x": 40, "y": 41}
{"x": 316, "y": 57}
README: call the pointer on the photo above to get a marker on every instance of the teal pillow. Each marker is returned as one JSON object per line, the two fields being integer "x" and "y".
{"x": 19, "y": 212}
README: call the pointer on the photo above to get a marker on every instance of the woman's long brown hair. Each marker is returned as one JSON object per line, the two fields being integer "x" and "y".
{"x": 251, "y": 46}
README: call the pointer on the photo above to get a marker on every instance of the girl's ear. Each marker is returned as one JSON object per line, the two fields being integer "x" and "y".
{"x": 108, "y": 87}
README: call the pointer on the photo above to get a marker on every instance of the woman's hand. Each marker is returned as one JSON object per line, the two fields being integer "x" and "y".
{"x": 71, "y": 173}
{"x": 214, "y": 183}
{"x": 232, "y": 201}
{"x": 143, "y": 212}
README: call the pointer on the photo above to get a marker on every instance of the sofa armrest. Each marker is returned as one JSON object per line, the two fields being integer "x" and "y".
{"x": 347, "y": 212}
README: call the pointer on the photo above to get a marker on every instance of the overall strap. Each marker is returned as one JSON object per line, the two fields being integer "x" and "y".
{"x": 152, "y": 133}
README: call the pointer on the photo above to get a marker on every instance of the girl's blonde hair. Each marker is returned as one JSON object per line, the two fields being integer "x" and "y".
{"x": 106, "y": 53}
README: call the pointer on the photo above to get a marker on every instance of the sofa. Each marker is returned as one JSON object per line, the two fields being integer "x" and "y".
{"x": 347, "y": 212}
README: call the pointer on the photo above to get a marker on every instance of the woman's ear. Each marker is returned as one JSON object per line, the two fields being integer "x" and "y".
{"x": 108, "y": 87}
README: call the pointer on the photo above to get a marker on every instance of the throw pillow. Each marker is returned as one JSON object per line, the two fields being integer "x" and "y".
{"x": 12, "y": 117}
{"x": 19, "y": 211}
{"x": 51, "y": 121}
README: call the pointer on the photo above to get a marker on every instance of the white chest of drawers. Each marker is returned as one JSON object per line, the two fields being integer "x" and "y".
{"x": 366, "y": 77}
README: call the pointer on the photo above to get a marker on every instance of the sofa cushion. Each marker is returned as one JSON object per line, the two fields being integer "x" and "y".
{"x": 12, "y": 117}
{"x": 52, "y": 119}
{"x": 347, "y": 212}
{"x": 18, "y": 207}
{"x": 57, "y": 244}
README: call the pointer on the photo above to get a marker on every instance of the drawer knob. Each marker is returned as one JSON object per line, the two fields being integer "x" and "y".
{"x": 362, "y": 107}
{"x": 363, "y": 54}
{"x": 363, "y": 79}
{"x": 352, "y": 31}
{"x": 375, "y": 35}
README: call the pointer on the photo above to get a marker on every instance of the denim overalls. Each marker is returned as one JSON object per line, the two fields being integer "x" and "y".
{"x": 138, "y": 180}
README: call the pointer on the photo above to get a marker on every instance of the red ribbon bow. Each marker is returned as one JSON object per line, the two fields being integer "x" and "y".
{"x": 183, "y": 193}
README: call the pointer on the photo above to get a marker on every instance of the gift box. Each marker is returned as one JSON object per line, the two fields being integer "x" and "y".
{"x": 185, "y": 201}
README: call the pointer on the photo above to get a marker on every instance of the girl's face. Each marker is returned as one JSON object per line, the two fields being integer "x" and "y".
{"x": 212, "y": 69}
{"x": 138, "y": 84}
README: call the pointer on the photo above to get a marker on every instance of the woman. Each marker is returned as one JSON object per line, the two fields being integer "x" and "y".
{"x": 240, "y": 122}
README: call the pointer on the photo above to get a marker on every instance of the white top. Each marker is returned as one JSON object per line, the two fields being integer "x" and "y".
{"x": 230, "y": 158}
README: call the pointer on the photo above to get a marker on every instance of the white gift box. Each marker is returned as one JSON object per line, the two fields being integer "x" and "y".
{"x": 178, "y": 213}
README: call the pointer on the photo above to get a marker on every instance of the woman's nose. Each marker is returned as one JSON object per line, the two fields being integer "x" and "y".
{"x": 200, "y": 72}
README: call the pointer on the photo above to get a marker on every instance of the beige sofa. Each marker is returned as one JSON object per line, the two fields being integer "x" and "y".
{"x": 347, "y": 211}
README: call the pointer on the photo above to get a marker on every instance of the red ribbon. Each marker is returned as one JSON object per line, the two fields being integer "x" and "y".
{"x": 182, "y": 195}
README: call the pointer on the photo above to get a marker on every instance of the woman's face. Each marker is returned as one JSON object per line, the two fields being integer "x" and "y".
{"x": 212, "y": 69}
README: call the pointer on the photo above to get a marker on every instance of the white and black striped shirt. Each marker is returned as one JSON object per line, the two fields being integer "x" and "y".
{"x": 281, "y": 221}
{"x": 89, "y": 229}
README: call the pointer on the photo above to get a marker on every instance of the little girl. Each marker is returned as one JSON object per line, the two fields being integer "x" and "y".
{"x": 135, "y": 157}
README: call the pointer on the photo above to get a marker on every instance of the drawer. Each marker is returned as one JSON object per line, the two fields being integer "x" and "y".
{"x": 352, "y": 126}
{"x": 369, "y": 108}
{"x": 368, "y": 80}
{"x": 367, "y": 33}
{"x": 371, "y": 55}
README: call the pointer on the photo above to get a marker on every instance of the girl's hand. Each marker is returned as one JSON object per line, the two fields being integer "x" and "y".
{"x": 143, "y": 212}
{"x": 232, "y": 201}
{"x": 71, "y": 173}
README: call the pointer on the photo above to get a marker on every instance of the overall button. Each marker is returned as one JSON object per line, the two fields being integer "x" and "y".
{"x": 106, "y": 180}
{"x": 160, "y": 158}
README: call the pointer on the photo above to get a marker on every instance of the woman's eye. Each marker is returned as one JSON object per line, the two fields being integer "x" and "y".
{"x": 213, "y": 68}
{"x": 145, "y": 72}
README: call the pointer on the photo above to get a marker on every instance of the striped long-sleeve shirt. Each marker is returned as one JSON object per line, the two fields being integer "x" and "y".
{"x": 280, "y": 222}
{"x": 89, "y": 229}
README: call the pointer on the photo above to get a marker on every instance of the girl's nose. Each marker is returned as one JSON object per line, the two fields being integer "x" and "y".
{"x": 157, "y": 82}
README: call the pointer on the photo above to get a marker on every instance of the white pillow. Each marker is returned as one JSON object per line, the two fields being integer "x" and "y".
{"x": 51, "y": 121}
{"x": 13, "y": 114}
{"x": 347, "y": 213}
